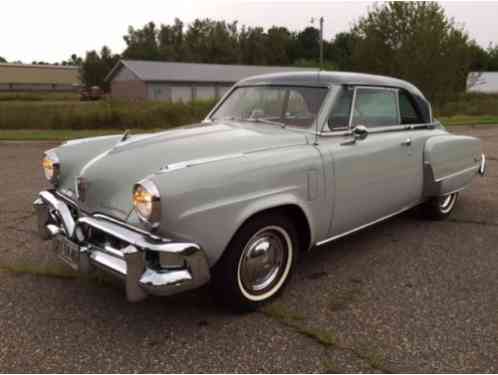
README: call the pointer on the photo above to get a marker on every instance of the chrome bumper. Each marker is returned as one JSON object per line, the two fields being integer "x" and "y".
{"x": 148, "y": 264}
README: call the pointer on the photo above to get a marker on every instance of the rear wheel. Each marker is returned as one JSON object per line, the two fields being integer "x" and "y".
{"x": 439, "y": 208}
{"x": 257, "y": 263}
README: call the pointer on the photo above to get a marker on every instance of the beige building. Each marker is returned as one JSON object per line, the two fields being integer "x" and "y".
{"x": 172, "y": 81}
{"x": 26, "y": 77}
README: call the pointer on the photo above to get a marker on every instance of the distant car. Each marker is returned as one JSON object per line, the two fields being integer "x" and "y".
{"x": 91, "y": 93}
{"x": 283, "y": 163}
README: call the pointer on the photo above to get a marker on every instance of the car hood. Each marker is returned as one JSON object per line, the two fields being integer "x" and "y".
{"x": 109, "y": 177}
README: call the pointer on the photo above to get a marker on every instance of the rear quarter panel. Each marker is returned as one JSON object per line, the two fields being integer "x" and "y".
{"x": 450, "y": 162}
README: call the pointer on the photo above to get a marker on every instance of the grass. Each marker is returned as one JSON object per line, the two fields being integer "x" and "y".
{"x": 66, "y": 134}
{"x": 295, "y": 321}
{"x": 61, "y": 116}
{"x": 53, "y": 272}
{"x": 51, "y": 135}
{"x": 55, "y": 115}
{"x": 375, "y": 359}
{"x": 39, "y": 96}
{"x": 459, "y": 120}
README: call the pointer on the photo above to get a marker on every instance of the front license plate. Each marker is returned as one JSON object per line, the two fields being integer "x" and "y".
{"x": 68, "y": 251}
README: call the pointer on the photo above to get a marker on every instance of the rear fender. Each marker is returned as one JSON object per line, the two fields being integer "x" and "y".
{"x": 450, "y": 163}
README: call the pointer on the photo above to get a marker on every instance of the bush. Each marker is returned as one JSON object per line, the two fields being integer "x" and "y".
{"x": 38, "y": 96}
{"x": 100, "y": 114}
{"x": 472, "y": 104}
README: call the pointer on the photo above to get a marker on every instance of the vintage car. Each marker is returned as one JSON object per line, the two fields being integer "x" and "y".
{"x": 283, "y": 163}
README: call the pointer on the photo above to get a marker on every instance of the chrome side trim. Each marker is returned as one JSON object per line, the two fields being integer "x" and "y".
{"x": 380, "y": 129}
{"x": 457, "y": 173}
{"x": 365, "y": 225}
{"x": 194, "y": 162}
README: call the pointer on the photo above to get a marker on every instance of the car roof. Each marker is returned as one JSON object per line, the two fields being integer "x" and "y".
{"x": 325, "y": 78}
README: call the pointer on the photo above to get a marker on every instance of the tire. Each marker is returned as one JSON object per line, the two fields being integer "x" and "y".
{"x": 271, "y": 237}
{"x": 439, "y": 208}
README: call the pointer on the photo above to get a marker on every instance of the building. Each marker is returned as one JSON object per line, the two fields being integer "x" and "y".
{"x": 25, "y": 77}
{"x": 172, "y": 81}
{"x": 483, "y": 82}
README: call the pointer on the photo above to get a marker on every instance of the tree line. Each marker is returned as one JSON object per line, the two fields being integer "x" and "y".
{"x": 415, "y": 41}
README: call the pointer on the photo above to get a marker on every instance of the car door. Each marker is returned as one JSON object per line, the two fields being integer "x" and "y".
{"x": 377, "y": 176}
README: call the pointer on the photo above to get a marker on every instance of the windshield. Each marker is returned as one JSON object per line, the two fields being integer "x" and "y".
{"x": 279, "y": 105}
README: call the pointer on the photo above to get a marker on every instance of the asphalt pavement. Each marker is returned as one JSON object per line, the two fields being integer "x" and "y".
{"x": 406, "y": 295}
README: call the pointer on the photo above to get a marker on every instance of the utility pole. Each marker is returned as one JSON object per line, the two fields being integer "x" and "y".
{"x": 321, "y": 43}
{"x": 321, "y": 40}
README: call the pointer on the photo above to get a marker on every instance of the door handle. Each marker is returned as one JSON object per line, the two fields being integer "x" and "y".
{"x": 407, "y": 142}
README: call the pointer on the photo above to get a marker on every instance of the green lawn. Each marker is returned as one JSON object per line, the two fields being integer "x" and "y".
{"x": 468, "y": 120}
{"x": 65, "y": 134}
{"x": 51, "y": 135}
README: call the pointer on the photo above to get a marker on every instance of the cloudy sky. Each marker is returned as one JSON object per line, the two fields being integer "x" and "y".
{"x": 53, "y": 30}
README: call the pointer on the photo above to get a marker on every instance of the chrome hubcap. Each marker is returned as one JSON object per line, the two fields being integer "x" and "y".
{"x": 446, "y": 203}
{"x": 263, "y": 260}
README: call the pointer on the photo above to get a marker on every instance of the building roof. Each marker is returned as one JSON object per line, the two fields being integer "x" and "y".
{"x": 486, "y": 82}
{"x": 159, "y": 71}
{"x": 39, "y": 74}
{"x": 331, "y": 78}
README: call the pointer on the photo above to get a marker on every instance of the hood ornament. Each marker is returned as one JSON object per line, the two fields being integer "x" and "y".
{"x": 125, "y": 136}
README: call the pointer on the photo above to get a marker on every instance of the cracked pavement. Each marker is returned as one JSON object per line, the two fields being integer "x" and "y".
{"x": 405, "y": 295}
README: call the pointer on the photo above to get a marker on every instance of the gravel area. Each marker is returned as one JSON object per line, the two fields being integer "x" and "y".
{"x": 406, "y": 295}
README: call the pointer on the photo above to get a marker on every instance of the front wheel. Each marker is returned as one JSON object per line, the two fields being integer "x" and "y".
{"x": 439, "y": 208}
{"x": 257, "y": 263}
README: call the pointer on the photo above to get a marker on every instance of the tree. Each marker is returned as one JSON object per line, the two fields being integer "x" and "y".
{"x": 309, "y": 43}
{"x": 492, "y": 54}
{"x": 278, "y": 46}
{"x": 171, "y": 41}
{"x": 252, "y": 46}
{"x": 74, "y": 60}
{"x": 2, "y": 60}
{"x": 341, "y": 50}
{"x": 415, "y": 41}
{"x": 141, "y": 44}
{"x": 95, "y": 67}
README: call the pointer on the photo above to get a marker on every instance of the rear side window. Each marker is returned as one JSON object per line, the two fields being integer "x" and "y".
{"x": 375, "y": 108}
{"x": 409, "y": 114}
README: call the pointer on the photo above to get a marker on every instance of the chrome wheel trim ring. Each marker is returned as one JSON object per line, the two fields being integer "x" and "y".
{"x": 446, "y": 203}
{"x": 273, "y": 246}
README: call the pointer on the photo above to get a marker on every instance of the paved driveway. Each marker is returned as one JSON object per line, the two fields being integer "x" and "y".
{"x": 405, "y": 295}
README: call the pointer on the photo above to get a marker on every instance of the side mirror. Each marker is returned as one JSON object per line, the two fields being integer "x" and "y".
{"x": 359, "y": 132}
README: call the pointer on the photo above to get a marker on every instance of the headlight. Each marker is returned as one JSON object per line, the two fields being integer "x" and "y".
{"x": 147, "y": 202}
{"x": 51, "y": 166}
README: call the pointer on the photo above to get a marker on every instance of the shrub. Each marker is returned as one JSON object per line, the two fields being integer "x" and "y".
{"x": 474, "y": 104}
{"x": 99, "y": 115}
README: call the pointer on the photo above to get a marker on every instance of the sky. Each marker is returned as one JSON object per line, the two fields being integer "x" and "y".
{"x": 52, "y": 30}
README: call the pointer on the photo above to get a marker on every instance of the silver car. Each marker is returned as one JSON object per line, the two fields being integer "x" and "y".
{"x": 283, "y": 163}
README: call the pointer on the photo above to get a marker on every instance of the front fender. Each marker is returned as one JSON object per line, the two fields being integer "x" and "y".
{"x": 210, "y": 202}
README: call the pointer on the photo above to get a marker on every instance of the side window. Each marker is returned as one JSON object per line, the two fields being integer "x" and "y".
{"x": 408, "y": 113}
{"x": 339, "y": 115}
{"x": 375, "y": 108}
{"x": 296, "y": 106}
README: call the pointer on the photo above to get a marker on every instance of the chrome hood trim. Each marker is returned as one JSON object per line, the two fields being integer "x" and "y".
{"x": 194, "y": 162}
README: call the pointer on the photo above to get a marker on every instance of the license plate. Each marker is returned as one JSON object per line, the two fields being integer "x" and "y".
{"x": 68, "y": 251}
